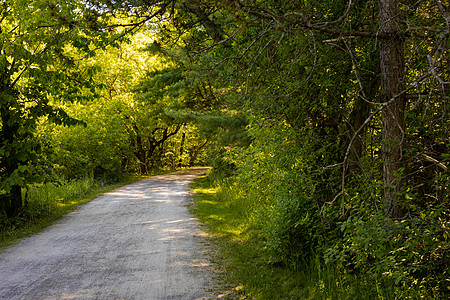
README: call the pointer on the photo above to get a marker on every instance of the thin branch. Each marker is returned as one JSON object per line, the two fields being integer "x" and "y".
{"x": 327, "y": 27}
{"x": 345, "y": 15}
{"x": 435, "y": 161}
{"x": 355, "y": 69}
{"x": 224, "y": 40}
{"x": 30, "y": 63}
{"x": 312, "y": 69}
{"x": 433, "y": 60}
{"x": 444, "y": 13}
{"x": 347, "y": 152}
{"x": 133, "y": 26}
{"x": 307, "y": 25}
{"x": 242, "y": 54}
{"x": 253, "y": 63}
{"x": 107, "y": 44}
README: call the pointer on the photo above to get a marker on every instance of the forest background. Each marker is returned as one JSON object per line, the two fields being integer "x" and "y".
{"x": 326, "y": 120}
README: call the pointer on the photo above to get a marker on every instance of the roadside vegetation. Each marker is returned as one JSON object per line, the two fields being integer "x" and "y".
{"x": 247, "y": 269}
{"x": 326, "y": 124}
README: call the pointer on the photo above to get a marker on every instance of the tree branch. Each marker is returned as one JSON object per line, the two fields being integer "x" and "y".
{"x": 347, "y": 152}
{"x": 132, "y": 25}
{"x": 435, "y": 161}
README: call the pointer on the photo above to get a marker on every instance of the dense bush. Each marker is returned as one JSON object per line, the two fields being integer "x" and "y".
{"x": 295, "y": 212}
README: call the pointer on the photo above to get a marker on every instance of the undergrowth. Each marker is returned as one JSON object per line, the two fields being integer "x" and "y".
{"x": 248, "y": 272}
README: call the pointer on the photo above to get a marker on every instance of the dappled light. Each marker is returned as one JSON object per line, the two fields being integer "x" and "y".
{"x": 325, "y": 123}
{"x": 138, "y": 241}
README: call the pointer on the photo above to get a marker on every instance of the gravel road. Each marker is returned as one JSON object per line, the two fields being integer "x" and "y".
{"x": 137, "y": 242}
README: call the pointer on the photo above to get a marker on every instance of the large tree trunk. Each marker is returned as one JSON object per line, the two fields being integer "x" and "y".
{"x": 392, "y": 84}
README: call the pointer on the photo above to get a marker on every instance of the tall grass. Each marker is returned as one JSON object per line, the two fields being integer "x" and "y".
{"x": 44, "y": 204}
{"x": 50, "y": 198}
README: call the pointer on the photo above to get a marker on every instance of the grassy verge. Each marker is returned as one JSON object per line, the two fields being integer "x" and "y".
{"x": 48, "y": 202}
{"x": 246, "y": 271}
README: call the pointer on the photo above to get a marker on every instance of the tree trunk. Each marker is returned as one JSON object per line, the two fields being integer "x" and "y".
{"x": 193, "y": 155}
{"x": 154, "y": 143}
{"x": 9, "y": 127}
{"x": 183, "y": 138}
{"x": 392, "y": 84}
{"x": 16, "y": 201}
{"x": 213, "y": 30}
{"x": 141, "y": 155}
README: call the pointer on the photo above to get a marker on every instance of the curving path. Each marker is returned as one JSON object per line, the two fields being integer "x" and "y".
{"x": 137, "y": 242}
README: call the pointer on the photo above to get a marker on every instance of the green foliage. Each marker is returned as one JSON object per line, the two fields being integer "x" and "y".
{"x": 281, "y": 180}
{"x": 36, "y": 69}
{"x": 253, "y": 273}
{"x": 409, "y": 254}
{"x": 46, "y": 201}
{"x": 281, "y": 97}
{"x": 317, "y": 173}
{"x": 97, "y": 149}
{"x": 294, "y": 212}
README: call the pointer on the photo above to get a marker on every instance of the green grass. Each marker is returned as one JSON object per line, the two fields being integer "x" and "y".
{"x": 245, "y": 270}
{"x": 48, "y": 202}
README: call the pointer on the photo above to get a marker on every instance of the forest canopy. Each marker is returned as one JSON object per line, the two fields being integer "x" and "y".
{"x": 328, "y": 118}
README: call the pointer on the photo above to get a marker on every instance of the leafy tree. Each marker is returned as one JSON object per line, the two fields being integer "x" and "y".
{"x": 344, "y": 106}
{"x": 35, "y": 70}
{"x": 130, "y": 125}
{"x": 350, "y": 78}
{"x": 41, "y": 44}
{"x": 178, "y": 92}
{"x": 105, "y": 146}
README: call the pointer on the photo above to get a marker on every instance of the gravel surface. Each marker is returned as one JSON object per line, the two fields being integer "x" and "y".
{"x": 137, "y": 242}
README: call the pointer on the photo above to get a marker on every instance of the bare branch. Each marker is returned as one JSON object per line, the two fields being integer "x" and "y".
{"x": 312, "y": 69}
{"x": 225, "y": 40}
{"x": 346, "y": 13}
{"x": 444, "y": 13}
{"x": 435, "y": 161}
{"x": 356, "y": 133}
{"x": 252, "y": 64}
{"x": 355, "y": 69}
{"x": 243, "y": 53}
{"x": 304, "y": 23}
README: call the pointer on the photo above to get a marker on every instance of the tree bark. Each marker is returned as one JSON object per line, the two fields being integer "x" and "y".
{"x": 183, "y": 138}
{"x": 16, "y": 201}
{"x": 140, "y": 152}
{"x": 358, "y": 116}
{"x": 392, "y": 84}
{"x": 9, "y": 126}
{"x": 154, "y": 143}
{"x": 214, "y": 30}
{"x": 193, "y": 155}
